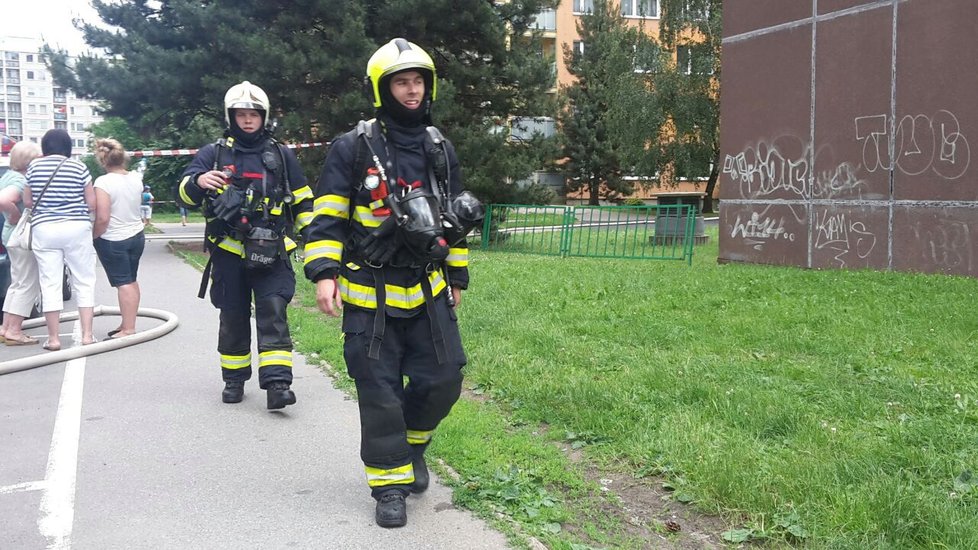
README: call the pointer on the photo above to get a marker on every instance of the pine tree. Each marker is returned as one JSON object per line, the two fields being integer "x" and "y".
{"x": 601, "y": 141}
{"x": 168, "y": 64}
{"x": 690, "y": 90}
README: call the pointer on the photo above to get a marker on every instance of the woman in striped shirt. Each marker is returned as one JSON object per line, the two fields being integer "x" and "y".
{"x": 62, "y": 227}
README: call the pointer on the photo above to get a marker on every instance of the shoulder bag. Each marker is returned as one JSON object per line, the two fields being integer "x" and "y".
{"x": 22, "y": 235}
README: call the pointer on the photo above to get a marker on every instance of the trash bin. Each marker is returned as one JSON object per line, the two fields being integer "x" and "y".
{"x": 670, "y": 227}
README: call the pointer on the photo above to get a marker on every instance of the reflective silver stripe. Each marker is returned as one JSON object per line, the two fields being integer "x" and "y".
{"x": 366, "y": 218}
{"x": 303, "y": 219}
{"x": 332, "y": 205}
{"x": 231, "y": 245}
{"x": 458, "y": 257}
{"x": 323, "y": 249}
{"x": 301, "y": 194}
{"x": 183, "y": 192}
{"x": 235, "y": 362}
{"x": 290, "y": 245}
{"x": 418, "y": 437}
{"x": 275, "y": 357}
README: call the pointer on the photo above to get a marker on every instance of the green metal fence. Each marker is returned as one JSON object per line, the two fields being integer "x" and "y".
{"x": 639, "y": 232}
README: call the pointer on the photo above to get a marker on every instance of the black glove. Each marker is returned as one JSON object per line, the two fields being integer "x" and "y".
{"x": 227, "y": 206}
{"x": 379, "y": 246}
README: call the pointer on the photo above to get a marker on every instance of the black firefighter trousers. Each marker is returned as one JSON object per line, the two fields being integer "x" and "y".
{"x": 389, "y": 409}
{"x": 232, "y": 288}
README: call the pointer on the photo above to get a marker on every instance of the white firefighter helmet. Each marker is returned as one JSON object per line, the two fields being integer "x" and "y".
{"x": 245, "y": 96}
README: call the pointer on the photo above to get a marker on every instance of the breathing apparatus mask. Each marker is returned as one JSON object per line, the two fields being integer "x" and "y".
{"x": 466, "y": 213}
{"x": 420, "y": 224}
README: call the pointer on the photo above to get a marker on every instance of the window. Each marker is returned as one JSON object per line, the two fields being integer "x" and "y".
{"x": 80, "y": 143}
{"x": 30, "y": 74}
{"x": 694, "y": 59}
{"x": 646, "y": 58}
{"x": 30, "y": 59}
{"x": 578, "y": 48}
{"x": 524, "y": 128}
{"x": 583, "y": 6}
{"x": 640, "y": 8}
{"x": 696, "y": 14}
{"x": 60, "y": 125}
{"x": 72, "y": 110}
{"x": 31, "y": 109}
{"x": 42, "y": 109}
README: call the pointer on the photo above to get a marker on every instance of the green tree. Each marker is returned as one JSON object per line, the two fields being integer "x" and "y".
{"x": 689, "y": 90}
{"x": 601, "y": 142}
{"x": 167, "y": 65}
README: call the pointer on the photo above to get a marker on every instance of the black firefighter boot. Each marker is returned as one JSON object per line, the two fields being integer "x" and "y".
{"x": 233, "y": 391}
{"x": 391, "y": 509}
{"x": 421, "y": 477}
{"x": 279, "y": 395}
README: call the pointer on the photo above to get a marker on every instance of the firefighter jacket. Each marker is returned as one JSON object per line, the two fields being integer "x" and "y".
{"x": 344, "y": 214}
{"x": 278, "y": 196}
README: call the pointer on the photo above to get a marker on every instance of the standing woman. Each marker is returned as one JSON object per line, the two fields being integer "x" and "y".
{"x": 62, "y": 232}
{"x": 24, "y": 286}
{"x": 118, "y": 231}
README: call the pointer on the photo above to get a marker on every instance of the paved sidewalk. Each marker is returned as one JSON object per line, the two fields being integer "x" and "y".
{"x": 133, "y": 448}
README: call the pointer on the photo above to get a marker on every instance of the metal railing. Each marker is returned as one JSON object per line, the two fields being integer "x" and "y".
{"x": 633, "y": 232}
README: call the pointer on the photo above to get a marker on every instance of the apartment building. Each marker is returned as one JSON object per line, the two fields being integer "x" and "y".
{"x": 558, "y": 28}
{"x": 31, "y": 103}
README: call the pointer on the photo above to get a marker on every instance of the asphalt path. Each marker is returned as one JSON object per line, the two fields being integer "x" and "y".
{"x": 133, "y": 449}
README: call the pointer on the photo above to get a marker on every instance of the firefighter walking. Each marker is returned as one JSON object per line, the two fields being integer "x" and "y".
{"x": 386, "y": 246}
{"x": 253, "y": 195}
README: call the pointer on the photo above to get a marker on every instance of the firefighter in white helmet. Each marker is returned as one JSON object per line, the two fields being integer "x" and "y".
{"x": 385, "y": 248}
{"x": 254, "y": 196}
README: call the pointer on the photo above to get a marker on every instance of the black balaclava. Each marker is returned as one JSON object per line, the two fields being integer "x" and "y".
{"x": 56, "y": 142}
{"x": 398, "y": 112}
{"x": 242, "y": 137}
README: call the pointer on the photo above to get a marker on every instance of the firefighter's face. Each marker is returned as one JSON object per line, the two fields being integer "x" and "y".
{"x": 248, "y": 120}
{"x": 408, "y": 88}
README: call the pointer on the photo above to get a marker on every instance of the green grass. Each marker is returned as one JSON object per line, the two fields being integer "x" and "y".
{"x": 823, "y": 409}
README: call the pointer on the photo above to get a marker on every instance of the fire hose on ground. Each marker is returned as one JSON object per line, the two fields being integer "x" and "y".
{"x": 170, "y": 322}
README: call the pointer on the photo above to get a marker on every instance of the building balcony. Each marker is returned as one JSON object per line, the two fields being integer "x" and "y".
{"x": 60, "y": 116}
{"x": 546, "y": 20}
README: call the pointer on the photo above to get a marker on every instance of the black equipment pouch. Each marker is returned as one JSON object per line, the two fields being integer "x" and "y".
{"x": 262, "y": 247}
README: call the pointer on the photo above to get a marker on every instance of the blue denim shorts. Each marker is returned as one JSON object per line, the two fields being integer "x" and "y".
{"x": 120, "y": 259}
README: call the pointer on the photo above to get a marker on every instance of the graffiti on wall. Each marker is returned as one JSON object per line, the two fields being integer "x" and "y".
{"x": 764, "y": 169}
{"x": 920, "y": 143}
{"x": 842, "y": 235}
{"x": 760, "y": 228}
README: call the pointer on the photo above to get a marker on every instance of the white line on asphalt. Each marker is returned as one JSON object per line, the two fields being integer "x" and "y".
{"x": 58, "y": 499}
{"x": 23, "y": 487}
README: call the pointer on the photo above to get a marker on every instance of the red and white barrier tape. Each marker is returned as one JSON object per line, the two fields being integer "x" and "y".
{"x": 182, "y": 152}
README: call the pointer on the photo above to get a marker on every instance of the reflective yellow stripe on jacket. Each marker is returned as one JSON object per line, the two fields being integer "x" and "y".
{"x": 236, "y": 247}
{"x": 397, "y": 296}
{"x": 457, "y": 257}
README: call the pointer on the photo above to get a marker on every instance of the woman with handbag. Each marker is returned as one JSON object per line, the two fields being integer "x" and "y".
{"x": 24, "y": 285}
{"x": 60, "y": 193}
